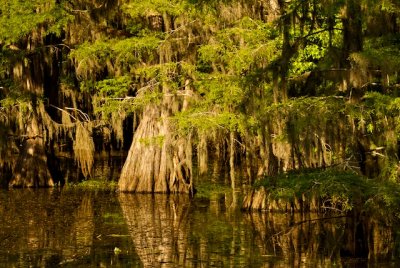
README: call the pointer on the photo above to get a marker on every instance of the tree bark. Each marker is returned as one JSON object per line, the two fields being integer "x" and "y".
{"x": 352, "y": 28}
{"x": 31, "y": 168}
{"x": 157, "y": 161}
{"x": 232, "y": 159}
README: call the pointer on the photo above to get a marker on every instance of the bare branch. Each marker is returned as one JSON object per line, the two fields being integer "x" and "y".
{"x": 84, "y": 115}
{"x": 64, "y": 111}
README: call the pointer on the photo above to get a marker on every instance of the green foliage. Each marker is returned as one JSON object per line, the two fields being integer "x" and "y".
{"x": 389, "y": 6}
{"x": 340, "y": 190}
{"x": 153, "y": 141}
{"x": 136, "y": 49}
{"x": 114, "y": 91}
{"x": 15, "y": 98}
{"x": 136, "y": 8}
{"x": 311, "y": 56}
{"x": 91, "y": 58}
{"x": 313, "y": 43}
{"x": 119, "y": 56}
{"x": 221, "y": 77}
{"x": 126, "y": 105}
{"x": 20, "y": 18}
{"x": 26, "y": 15}
{"x": 307, "y": 114}
{"x": 384, "y": 199}
{"x": 377, "y": 115}
{"x": 248, "y": 44}
{"x": 114, "y": 87}
{"x": 381, "y": 53}
{"x": 57, "y": 21}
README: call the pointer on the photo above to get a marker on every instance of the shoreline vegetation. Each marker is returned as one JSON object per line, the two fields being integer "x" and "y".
{"x": 329, "y": 191}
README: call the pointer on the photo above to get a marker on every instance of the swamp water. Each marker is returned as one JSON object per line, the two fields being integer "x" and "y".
{"x": 76, "y": 228}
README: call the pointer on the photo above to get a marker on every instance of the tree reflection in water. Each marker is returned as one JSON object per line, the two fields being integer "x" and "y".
{"x": 175, "y": 232}
{"x": 325, "y": 241}
{"x": 69, "y": 228}
{"x": 158, "y": 226}
{"x": 44, "y": 228}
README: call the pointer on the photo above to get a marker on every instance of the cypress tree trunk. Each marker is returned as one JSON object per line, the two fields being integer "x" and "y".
{"x": 280, "y": 75}
{"x": 157, "y": 161}
{"x": 352, "y": 28}
{"x": 232, "y": 159}
{"x": 202, "y": 154}
{"x": 31, "y": 168}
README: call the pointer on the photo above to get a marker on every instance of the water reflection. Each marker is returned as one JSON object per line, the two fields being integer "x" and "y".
{"x": 83, "y": 228}
{"x": 171, "y": 232}
{"x": 174, "y": 232}
{"x": 305, "y": 240}
{"x": 158, "y": 226}
{"x": 70, "y": 228}
{"x": 53, "y": 228}
{"x": 44, "y": 222}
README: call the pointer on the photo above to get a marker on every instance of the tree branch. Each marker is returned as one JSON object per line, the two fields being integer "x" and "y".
{"x": 84, "y": 115}
{"x": 64, "y": 111}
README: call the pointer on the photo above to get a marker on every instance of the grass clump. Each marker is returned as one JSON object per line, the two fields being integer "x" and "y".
{"x": 207, "y": 190}
{"x": 94, "y": 185}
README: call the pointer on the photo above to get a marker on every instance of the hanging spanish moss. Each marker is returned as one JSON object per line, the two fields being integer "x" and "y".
{"x": 84, "y": 147}
{"x": 31, "y": 166}
{"x": 202, "y": 155}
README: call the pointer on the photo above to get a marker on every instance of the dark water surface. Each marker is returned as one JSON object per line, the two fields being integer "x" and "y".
{"x": 75, "y": 228}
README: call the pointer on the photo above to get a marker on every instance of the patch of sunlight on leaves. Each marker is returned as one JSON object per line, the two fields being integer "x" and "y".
{"x": 157, "y": 140}
{"x": 115, "y": 87}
